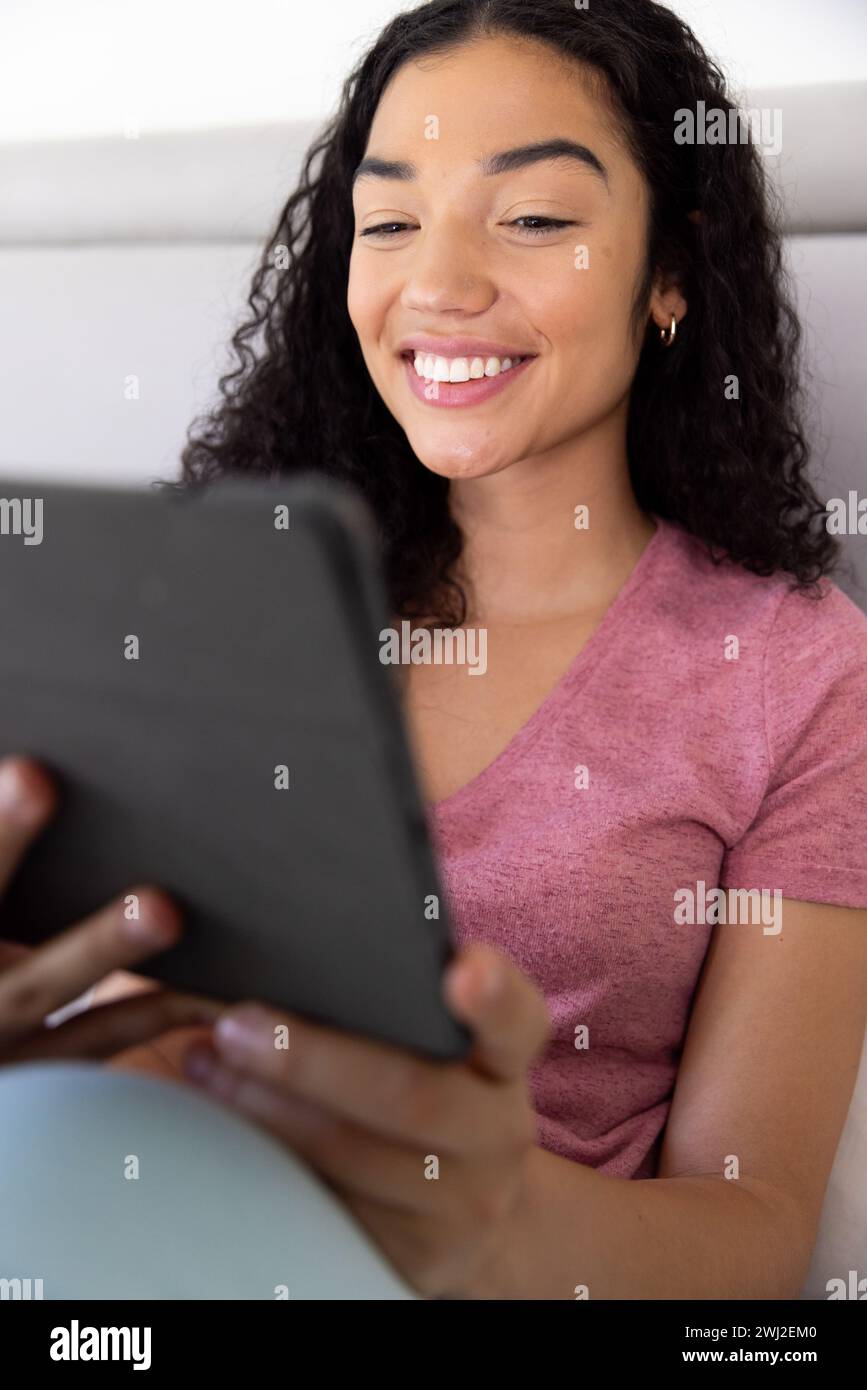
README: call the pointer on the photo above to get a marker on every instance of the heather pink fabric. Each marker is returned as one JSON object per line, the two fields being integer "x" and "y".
{"x": 749, "y": 773}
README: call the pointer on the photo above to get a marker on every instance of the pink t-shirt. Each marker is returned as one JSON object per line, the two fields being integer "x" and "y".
{"x": 700, "y": 769}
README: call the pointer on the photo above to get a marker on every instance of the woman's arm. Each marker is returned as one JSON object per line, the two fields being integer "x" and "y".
{"x": 765, "y": 1082}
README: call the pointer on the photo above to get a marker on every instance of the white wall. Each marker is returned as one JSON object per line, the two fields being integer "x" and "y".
{"x": 127, "y": 260}
{"x": 83, "y": 67}
{"x": 771, "y": 43}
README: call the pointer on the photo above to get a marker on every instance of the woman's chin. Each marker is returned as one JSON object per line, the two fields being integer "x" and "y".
{"x": 463, "y": 460}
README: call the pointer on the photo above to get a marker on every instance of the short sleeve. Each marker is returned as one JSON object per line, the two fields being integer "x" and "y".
{"x": 809, "y": 837}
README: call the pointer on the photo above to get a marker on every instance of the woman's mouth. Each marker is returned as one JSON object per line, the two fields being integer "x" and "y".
{"x": 453, "y": 381}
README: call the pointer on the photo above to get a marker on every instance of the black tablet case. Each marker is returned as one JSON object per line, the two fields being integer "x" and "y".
{"x": 258, "y": 647}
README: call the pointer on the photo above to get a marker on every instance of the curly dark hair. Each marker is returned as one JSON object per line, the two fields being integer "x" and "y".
{"x": 300, "y": 396}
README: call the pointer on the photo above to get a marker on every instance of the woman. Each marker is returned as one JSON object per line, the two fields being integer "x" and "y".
{"x": 552, "y": 346}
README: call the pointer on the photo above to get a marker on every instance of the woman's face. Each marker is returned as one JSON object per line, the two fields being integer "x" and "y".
{"x": 473, "y": 260}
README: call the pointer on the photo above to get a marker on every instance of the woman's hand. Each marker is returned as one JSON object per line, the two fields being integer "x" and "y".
{"x": 35, "y": 983}
{"x": 432, "y": 1158}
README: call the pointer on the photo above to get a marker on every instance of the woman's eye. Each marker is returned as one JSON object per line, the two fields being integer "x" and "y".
{"x": 531, "y": 223}
{"x": 541, "y": 224}
{"x": 386, "y": 229}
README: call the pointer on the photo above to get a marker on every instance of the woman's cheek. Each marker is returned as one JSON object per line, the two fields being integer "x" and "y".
{"x": 592, "y": 357}
{"x": 367, "y": 299}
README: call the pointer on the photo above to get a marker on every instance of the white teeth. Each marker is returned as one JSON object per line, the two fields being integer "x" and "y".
{"x": 459, "y": 369}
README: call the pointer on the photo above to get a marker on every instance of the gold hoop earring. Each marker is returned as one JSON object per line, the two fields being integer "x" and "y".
{"x": 668, "y": 335}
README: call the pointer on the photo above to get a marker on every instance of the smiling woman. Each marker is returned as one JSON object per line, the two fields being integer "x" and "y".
{"x": 512, "y": 294}
{"x": 502, "y": 295}
{"x": 497, "y": 191}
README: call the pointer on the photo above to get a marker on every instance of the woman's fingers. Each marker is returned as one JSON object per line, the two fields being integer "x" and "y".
{"x": 67, "y": 965}
{"x": 27, "y": 801}
{"x": 112, "y": 1028}
{"x": 120, "y": 984}
{"x": 36, "y": 982}
{"x": 390, "y": 1091}
{"x": 373, "y": 1085}
{"x": 502, "y": 1008}
{"x": 11, "y": 953}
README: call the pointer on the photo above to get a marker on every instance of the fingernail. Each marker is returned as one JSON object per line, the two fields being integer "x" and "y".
{"x": 15, "y": 798}
{"x": 142, "y": 922}
{"x": 484, "y": 989}
{"x": 198, "y": 1063}
{"x": 244, "y": 1031}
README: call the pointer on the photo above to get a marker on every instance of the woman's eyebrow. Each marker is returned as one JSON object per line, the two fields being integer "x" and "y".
{"x": 504, "y": 163}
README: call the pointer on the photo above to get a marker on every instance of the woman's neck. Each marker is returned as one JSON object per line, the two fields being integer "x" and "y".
{"x": 524, "y": 559}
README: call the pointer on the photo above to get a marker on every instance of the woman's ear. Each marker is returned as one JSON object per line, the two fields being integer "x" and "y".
{"x": 666, "y": 302}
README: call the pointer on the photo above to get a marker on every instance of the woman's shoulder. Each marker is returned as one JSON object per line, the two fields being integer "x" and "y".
{"x": 821, "y": 621}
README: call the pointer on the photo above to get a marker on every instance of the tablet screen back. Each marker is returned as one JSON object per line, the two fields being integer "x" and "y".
{"x": 200, "y": 673}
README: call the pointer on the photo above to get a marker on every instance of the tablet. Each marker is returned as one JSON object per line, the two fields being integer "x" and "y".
{"x": 199, "y": 670}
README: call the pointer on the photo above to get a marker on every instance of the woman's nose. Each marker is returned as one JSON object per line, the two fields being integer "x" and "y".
{"x": 445, "y": 275}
